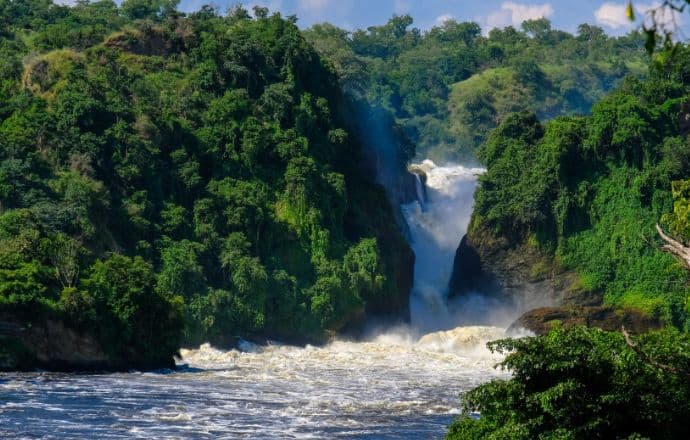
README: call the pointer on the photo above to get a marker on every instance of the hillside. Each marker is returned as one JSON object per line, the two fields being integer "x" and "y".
{"x": 478, "y": 103}
{"x": 571, "y": 205}
{"x": 449, "y": 86}
{"x": 171, "y": 179}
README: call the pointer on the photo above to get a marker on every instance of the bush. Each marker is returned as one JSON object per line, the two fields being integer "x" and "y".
{"x": 583, "y": 383}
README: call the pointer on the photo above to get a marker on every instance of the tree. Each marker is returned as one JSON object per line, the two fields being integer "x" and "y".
{"x": 584, "y": 383}
{"x": 181, "y": 273}
{"x": 148, "y": 9}
{"x": 538, "y": 28}
{"x": 135, "y": 321}
{"x": 590, "y": 33}
{"x": 64, "y": 255}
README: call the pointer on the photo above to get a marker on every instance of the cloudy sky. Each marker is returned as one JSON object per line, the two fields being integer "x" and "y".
{"x": 351, "y": 14}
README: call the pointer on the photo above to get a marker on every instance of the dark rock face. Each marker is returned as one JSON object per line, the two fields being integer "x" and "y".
{"x": 407, "y": 192}
{"x": 541, "y": 290}
{"x": 518, "y": 275}
{"x": 468, "y": 274}
{"x": 520, "y": 272}
{"x": 50, "y": 344}
{"x": 149, "y": 41}
{"x": 415, "y": 178}
{"x": 541, "y": 320}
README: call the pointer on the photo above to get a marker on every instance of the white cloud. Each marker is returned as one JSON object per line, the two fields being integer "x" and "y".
{"x": 514, "y": 14}
{"x": 614, "y": 15}
{"x": 313, "y": 5}
{"x": 444, "y": 18}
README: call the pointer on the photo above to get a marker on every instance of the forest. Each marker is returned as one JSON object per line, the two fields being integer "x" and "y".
{"x": 205, "y": 160}
{"x": 592, "y": 194}
{"x": 171, "y": 178}
{"x": 448, "y": 87}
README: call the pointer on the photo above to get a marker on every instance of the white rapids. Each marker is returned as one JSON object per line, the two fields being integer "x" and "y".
{"x": 394, "y": 386}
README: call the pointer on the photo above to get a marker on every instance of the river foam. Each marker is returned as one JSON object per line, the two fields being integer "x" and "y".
{"x": 395, "y": 385}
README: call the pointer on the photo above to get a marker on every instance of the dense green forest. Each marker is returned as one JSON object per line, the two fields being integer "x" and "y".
{"x": 450, "y": 86}
{"x": 584, "y": 383}
{"x": 588, "y": 191}
{"x": 169, "y": 178}
{"x": 221, "y": 166}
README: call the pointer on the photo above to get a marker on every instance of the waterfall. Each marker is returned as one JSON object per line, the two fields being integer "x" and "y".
{"x": 419, "y": 186}
{"x": 437, "y": 223}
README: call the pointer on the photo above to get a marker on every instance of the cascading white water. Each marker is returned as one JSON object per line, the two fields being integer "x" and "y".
{"x": 419, "y": 187}
{"x": 436, "y": 226}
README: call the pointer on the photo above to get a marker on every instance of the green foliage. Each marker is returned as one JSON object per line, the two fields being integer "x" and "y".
{"x": 23, "y": 284}
{"x": 136, "y": 322}
{"x": 590, "y": 190}
{"x": 450, "y": 86}
{"x": 679, "y": 220}
{"x": 583, "y": 383}
{"x": 168, "y": 175}
{"x": 151, "y": 9}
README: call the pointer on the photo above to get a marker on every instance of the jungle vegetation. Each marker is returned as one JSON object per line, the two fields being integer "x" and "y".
{"x": 450, "y": 86}
{"x": 588, "y": 191}
{"x": 170, "y": 178}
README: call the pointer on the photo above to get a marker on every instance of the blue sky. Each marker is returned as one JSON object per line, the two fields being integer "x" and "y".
{"x": 352, "y": 14}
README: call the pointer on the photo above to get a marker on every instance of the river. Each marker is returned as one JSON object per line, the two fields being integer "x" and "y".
{"x": 399, "y": 383}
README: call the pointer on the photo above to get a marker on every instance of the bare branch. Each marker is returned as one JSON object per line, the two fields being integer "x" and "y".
{"x": 646, "y": 359}
{"x": 674, "y": 247}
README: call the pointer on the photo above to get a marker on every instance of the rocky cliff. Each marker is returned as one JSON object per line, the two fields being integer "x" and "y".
{"x": 521, "y": 271}
{"x": 51, "y": 344}
{"x": 543, "y": 293}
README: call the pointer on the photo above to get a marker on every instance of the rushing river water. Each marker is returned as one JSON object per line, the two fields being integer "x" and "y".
{"x": 391, "y": 387}
{"x": 403, "y": 383}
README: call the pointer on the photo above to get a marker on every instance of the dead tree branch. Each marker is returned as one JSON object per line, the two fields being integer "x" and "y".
{"x": 647, "y": 360}
{"x": 674, "y": 247}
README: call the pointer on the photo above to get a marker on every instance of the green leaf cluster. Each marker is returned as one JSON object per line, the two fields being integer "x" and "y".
{"x": 583, "y": 383}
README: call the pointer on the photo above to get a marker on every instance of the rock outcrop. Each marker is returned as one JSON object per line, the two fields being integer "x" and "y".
{"x": 543, "y": 319}
{"x": 520, "y": 272}
{"x": 51, "y": 344}
{"x": 543, "y": 292}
